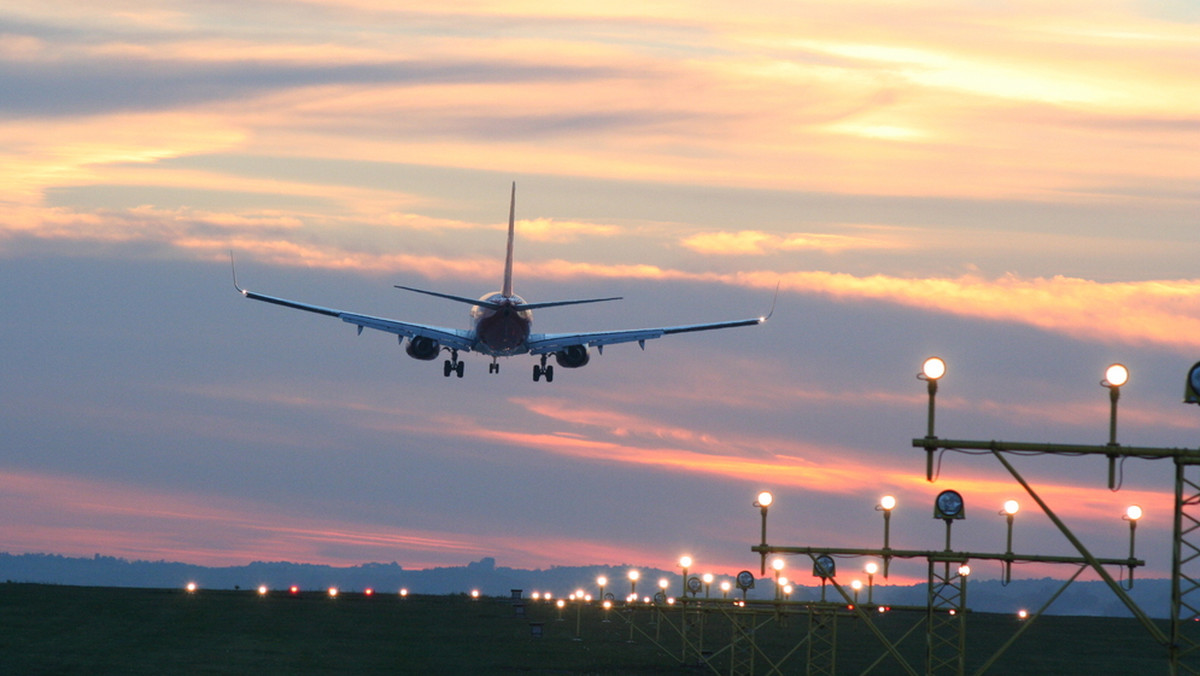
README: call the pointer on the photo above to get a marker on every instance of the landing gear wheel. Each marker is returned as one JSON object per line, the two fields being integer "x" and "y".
{"x": 447, "y": 368}
{"x": 494, "y": 367}
{"x": 539, "y": 371}
{"x": 458, "y": 368}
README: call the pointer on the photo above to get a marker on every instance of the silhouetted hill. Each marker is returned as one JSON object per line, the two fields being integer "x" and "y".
{"x": 1080, "y": 598}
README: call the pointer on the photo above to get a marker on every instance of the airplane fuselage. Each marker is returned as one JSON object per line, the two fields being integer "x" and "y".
{"x": 502, "y": 327}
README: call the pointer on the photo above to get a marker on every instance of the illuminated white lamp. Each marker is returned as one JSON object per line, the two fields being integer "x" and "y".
{"x": 262, "y": 590}
{"x": 933, "y": 368}
{"x": 474, "y": 593}
{"x": 333, "y": 592}
{"x": 764, "y": 500}
{"x": 887, "y": 503}
{"x": 1133, "y": 513}
{"x": 403, "y": 593}
{"x": 191, "y": 587}
{"x": 871, "y": 568}
{"x": 1116, "y": 375}
{"x": 1022, "y": 614}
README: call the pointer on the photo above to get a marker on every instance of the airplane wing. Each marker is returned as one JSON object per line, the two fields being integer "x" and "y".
{"x": 545, "y": 343}
{"x": 455, "y": 338}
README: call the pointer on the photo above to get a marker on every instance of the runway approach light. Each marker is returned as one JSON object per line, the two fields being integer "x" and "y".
{"x": 1116, "y": 375}
{"x": 933, "y": 368}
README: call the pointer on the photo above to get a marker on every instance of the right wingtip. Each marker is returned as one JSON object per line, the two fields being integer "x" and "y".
{"x": 233, "y": 268}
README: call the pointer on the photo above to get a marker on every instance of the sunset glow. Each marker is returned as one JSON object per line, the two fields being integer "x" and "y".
{"x": 1011, "y": 188}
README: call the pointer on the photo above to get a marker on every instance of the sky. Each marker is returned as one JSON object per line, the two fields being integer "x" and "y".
{"x": 1013, "y": 187}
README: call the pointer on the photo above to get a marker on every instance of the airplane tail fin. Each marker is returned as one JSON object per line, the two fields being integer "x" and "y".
{"x": 507, "y": 289}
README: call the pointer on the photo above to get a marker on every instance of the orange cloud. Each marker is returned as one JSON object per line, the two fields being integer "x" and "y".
{"x": 757, "y": 243}
{"x": 1160, "y": 312}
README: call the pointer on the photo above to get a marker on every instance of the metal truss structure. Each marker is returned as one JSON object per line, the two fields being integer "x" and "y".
{"x": 742, "y": 651}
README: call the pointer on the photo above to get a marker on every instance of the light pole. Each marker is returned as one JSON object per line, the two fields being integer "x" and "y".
{"x": 633, "y": 578}
{"x": 777, "y": 564}
{"x": 931, "y": 371}
{"x": 1011, "y": 507}
{"x": 707, "y": 578}
{"x": 600, "y": 582}
{"x": 886, "y": 504}
{"x": 685, "y": 562}
{"x": 870, "y": 569}
{"x": 1132, "y": 514}
{"x": 1114, "y": 377}
{"x": 762, "y": 502}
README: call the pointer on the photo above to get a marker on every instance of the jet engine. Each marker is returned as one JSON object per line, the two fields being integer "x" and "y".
{"x": 425, "y": 349}
{"x": 572, "y": 357}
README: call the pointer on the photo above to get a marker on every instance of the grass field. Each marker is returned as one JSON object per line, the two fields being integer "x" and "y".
{"x": 80, "y": 630}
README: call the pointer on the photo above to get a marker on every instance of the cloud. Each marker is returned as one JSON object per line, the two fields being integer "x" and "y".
{"x": 1163, "y": 313}
{"x": 757, "y": 243}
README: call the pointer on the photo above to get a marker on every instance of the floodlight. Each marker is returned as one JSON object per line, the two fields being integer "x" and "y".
{"x": 764, "y": 499}
{"x": 1011, "y": 507}
{"x": 1191, "y": 387}
{"x": 964, "y": 570}
{"x": 1133, "y": 513}
{"x": 948, "y": 505}
{"x": 777, "y": 564}
{"x": 685, "y": 561}
{"x": 824, "y": 567}
{"x": 745, "y": 580}
{"x": 887, "y": 503}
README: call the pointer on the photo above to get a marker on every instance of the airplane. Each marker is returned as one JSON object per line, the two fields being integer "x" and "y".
{"x": 500, "y": 324}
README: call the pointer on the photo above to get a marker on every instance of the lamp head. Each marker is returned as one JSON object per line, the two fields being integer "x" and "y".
{"x": 887, "y": 503}
{"x": 1011, "y": 507}
{"x": 1115, "y": 376}
{"x": 933, "y": 369}
{"x": 764, "y": 499}
{"x": 948, "y": 505}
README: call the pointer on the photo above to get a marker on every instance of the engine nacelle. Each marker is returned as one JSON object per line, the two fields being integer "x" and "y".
{"x": 425, "y": 349}
{"x": 572, "y": 357}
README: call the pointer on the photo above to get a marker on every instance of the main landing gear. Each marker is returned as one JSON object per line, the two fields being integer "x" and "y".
{"x": 494, "y": 367}
{"x": 543, "y": 370}
{"x": 453, "y": 365}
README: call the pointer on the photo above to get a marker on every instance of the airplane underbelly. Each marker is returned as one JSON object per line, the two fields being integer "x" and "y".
{"x": 503, "y": 333}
